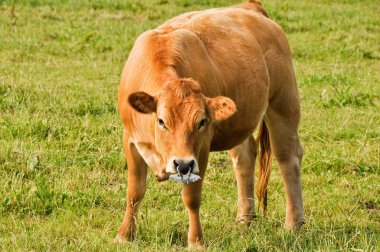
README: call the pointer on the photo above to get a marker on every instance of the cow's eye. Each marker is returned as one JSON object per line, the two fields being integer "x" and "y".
{"x": 161, "y": 123}
{"x": 202, "y": 123}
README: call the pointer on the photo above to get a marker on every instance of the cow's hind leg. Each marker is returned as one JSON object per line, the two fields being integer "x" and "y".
{"x": 243, "y": 158}
{"x": 137, "y": 173}
{"x": 282, "y": 119}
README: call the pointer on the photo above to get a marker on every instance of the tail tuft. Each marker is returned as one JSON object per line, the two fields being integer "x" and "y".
{"x": 265, "y": 166}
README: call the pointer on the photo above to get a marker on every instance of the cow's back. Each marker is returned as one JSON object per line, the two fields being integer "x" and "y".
{"x": 240, "y": 44}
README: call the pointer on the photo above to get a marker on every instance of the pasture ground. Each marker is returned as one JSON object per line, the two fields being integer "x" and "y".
{"x": 62, "y": 169}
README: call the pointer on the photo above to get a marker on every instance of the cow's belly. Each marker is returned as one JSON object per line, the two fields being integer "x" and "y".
{"x": 228, "y": 141}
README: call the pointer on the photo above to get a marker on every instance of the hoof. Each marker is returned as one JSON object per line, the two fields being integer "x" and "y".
{"x": 120, "y": 240}
{"x": 195, "y": 246}
{"x": 295, "y": 226}
{"x": 245, "y": 220}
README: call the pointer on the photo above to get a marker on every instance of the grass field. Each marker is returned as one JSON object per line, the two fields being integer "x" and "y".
{"x": 62, "y": 169}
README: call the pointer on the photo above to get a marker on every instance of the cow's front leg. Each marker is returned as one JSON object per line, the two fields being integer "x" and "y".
{"x": 191, "y": 195}
{"x": 137, "y": 172}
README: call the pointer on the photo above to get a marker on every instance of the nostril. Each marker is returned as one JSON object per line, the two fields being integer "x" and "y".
{"x": 176, "y": 164}
{"x": 191, "y": 164}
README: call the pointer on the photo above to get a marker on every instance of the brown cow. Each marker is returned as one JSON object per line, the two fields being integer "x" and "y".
{"x": 201, "y": 82}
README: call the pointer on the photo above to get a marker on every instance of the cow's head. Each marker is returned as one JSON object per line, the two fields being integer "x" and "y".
{"x": 184, "y": 122}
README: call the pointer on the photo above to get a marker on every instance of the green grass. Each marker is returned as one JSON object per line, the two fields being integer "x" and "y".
{"x": 62, "y": 169}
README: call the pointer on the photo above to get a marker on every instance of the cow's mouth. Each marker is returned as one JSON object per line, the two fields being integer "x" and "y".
{"x": 162, "y": 176}
{"x": 187, "y": 178}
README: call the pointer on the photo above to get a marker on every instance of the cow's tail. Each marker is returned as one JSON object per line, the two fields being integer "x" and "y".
{"x": 265, "y": 166}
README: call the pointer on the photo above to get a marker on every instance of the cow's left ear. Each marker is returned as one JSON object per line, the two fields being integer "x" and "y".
{"x": 221, "y": 107}
{"x": 142, "y": 102}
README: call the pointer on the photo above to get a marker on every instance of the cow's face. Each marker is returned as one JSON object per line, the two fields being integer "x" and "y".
{"x": 184, "y": 122}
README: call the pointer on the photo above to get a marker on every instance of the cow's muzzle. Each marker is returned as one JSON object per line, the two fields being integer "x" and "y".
{"x": 184, "y": 167}
{"x": 184, "y": 171}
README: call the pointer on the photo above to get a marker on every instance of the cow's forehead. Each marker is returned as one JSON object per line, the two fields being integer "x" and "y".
{"x": 191, "y": 107}
{"x": 181, "y": 101}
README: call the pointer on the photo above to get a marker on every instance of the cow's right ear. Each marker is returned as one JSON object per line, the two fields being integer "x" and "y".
{"x": 142, "y": 102}
{"x": 221, "y": 107}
